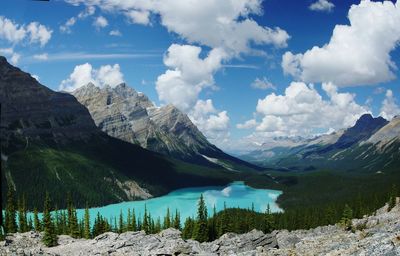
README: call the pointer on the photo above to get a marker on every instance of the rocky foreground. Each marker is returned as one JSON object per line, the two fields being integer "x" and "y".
{"x": 373, "y": 235}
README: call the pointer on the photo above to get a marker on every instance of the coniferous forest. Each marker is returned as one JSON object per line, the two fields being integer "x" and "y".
{"x": 208, "y": 225}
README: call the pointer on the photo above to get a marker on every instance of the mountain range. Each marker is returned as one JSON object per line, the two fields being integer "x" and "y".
{"x": 49, "y": 142}
{"x": 128, "y": 115}
{"x": 371, "y": 145}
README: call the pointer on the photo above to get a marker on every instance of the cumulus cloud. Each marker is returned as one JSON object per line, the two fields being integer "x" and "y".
{"x": 213, "y": 23}
{"x": 249, "y": 124}
{"x": 263, "y": 84}
{"x": 9, "y": 53}
{"x": 139, "y": 17}
{"x": 66, "y": 27}
{"x": 188, "y": 74}
{"x": 301, "y": 110}
{"x": 115, "y": 32}
{"x": 16, "y": 33}
{"x": 212, "y": 123}
{"x": 85, "y": 73}
{"x": 100, "y": 22}
{"x": 356, "y": 54}
{"x": 389, "y": 107}
{"x": 322, "y": 6}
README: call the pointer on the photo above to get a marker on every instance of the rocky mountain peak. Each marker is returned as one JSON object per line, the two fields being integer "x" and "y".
{"x": 32, "y": 110}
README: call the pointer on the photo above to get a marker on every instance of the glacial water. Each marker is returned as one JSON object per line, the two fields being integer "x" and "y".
{"x": 185, "y": 200}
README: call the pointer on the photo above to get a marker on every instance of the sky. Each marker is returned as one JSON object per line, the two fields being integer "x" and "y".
{"x": 243, "y": 70}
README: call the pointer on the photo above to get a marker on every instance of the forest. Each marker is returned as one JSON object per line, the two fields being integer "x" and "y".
{"x": 208, "y": 225}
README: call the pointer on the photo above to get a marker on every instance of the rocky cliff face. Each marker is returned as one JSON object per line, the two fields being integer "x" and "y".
{"x": 374, "y": 235}
{"x": 34, "y": 111}
{"x": 126, "y": 114}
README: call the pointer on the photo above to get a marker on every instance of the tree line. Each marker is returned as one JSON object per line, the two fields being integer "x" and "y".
{"x": 206, "y": 226}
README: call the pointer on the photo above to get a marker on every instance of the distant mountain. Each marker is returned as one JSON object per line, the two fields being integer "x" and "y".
{"x": 49, "y": 142}
{"x": 123, "y": 113}
{"x": 372, "y": 144}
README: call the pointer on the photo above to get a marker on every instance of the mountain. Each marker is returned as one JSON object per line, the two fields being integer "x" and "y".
{"x": 49, "y": 142}
{"x": 128, "y": 115}
{"x": 372, "y": 144}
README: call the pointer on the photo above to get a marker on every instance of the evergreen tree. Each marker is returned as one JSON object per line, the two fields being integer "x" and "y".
{"x": 268, "y": 221}
{"x": 157, "y": 226}
{"x": 200, "y": 232}
{"x": 177, "y": 220}
{"x": 36, "y": 222}
{"x": 187, "y": 231}
{"x": 167, "y": 220}
{"x": 86, "y": 230}
{"x": 145, "y": 223}
{"x": 346, "y": 217}
{"x": 121, "y": 223}
{"x": 50, "y": 237}
{"x": 69, "y": 212}
{"x": 129, "y": 221}
{"x": 134, "y": 226}
{"x": 74, "y": 226}
{"x": 22, "y": 215}
{"x": 10, "y": 218}
{"x": 392, "y": 197}
{"x": 223, "y": 222}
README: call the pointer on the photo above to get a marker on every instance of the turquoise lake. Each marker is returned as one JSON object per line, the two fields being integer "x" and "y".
{"x": 185, "y": 200}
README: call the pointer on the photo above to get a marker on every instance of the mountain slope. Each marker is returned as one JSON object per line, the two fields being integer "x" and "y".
{"x": 49, "y": 142}
{"x": 123, "y": 113}
{"x": 371, "y": 145}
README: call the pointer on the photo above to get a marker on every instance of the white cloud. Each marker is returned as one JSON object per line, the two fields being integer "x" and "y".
{"x": 356, "y": 53}
{"x": 139, "y": 17}
{"x": 302, "y": 111}
{"x": 66, "y": 28}
{"x": 213, "y": 23}
{"x": 322, "y": 6}
{"x": 85, "y": 73}
{"x": 389, "y": 107}
{"x": 13, "y": 56}
{"x": 43, "y": 56}
{"x": 187, "y": 75}
{"x": 263, "y": 84}
{"x": 249, "y": 124}
{"x": 11, "y": 31}
{"x": 115, "y": 32}
{"x": 100, "y": 22}
{"x": 16, "y": 33}
{"x": 212, "y": 123}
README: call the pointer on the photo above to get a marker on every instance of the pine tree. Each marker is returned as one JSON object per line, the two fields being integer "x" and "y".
{"x": 268, "y": 221}
{"x": 157, "y": 227}
{"x": 74, "y": 226}
{"x": 10, "y": 218}
{"x": 392, "y": 197}
{"x": 200, "y": 232}
{"x": 346, "y": 217}
{"x": 177, "y": 220}
{"x": 223, "y": 223}
{"x": 36, "y": 222}
{"x": 129, "y": 221}
{"x": 22, "y": 215}
{"x": 167, "y": 220}
{"x": 187, "y": 231}
{"x": 121, "y": 223}
{"x": 86, "y": 231}
{"x": 145, "y": 223}
{"x": 49, "y": 238}
{"x": 134, "y": 226}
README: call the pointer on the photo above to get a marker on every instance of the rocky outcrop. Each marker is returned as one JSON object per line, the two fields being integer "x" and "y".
{"x": 123, "y": 113}
{"x": 373, "y": 235}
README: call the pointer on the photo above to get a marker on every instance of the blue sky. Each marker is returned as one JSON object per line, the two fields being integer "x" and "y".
{"x": 200, "y": 57}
